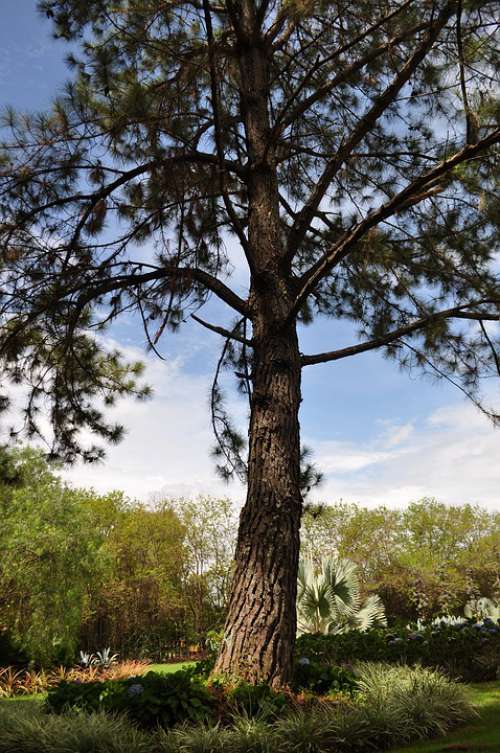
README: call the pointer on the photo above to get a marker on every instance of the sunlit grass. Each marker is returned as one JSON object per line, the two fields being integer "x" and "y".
{"x": 166, "y": 669}
{"x": 481, "y": 735}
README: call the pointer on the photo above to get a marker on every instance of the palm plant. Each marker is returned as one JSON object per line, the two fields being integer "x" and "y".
{"x": 329, "y": 599}
{"x": 482, "y": 608}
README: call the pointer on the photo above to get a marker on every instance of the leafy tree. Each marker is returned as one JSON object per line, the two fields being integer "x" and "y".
{"x": 426, "y": 560}
{"x": 329, "y": 599}
{"x": 139, "y": 605}
{"x": 211, "y": 526}
{"x": 51, "y": 552}
{"x": 347, "y": 148}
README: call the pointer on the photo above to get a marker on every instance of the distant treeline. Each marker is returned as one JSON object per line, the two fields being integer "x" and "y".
{"x": 79, "y": 570}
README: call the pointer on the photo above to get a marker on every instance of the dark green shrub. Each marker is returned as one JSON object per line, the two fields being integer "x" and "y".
{"x": 150, "y": 700}
{"x": 255, "y": 700}
{"x": 203, "y": 668}
{"x": 322, "y": 679}
{"x": 466, "y": 649}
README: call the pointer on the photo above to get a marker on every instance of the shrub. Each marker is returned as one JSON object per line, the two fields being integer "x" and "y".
{"x": 255, "y": 700}
{"x": 149, "y": 700}
{"x": 323, "y": 679}
{"x": 466, "y": 649}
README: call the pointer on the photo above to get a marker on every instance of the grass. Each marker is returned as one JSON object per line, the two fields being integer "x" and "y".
{"x": 480, "y": 736}
{"x": 167, "y": 669}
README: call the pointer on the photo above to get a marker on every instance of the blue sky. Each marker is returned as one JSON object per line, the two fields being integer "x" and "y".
{"x": 380, "y": 435}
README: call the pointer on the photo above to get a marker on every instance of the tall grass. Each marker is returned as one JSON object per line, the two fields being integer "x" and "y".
{"x": 22, "y": 732}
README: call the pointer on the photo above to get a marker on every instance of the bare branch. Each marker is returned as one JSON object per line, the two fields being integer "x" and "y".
{"x": 224, "y": 332}
{"x": 457, "y": 312}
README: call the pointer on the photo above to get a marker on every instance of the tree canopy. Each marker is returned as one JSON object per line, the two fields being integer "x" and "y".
{"x": 380, "y": 122}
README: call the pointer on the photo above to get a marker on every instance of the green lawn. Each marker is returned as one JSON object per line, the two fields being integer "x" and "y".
{"x": 166, "y": 669}
{"x": 482, "y": 736}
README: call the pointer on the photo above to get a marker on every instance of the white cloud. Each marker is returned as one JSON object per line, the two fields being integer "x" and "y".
{"x": 453, "y": 455}
{"x": 168, "y": 439}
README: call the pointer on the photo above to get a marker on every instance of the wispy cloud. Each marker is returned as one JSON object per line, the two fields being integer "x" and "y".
{"x": 452, "y": 455}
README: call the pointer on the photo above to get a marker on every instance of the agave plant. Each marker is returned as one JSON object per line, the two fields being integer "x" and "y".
{"x": 86, "y": 659}
{"x": 445, "y": 620}
{"x": 329, "y": 599}
{"x": 104, "y": 658}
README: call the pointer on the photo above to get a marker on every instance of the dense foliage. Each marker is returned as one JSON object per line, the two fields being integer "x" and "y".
{"x": 425, "y": 560}
{"x": 150, "y": 700}
{"x": 82, "y": 570}
{"x": 392, "y": 705}
{"x": 468, "y": 650}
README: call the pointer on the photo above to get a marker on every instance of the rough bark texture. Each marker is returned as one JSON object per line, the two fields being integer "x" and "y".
{"x": 260, "y": 629}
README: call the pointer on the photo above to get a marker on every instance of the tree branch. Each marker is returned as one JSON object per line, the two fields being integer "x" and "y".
{"x": 415, "y": 192}
{"x": 126, "y": 176}
{"x": 224, "y": 332}
{"x": 283, "y": 119}
{"x": 366, "y": 123}
{"x": 216, "y": 109}
{"x": 457, "y": 312}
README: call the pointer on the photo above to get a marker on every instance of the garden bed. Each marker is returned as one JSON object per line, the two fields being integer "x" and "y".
{"x": 395, "y": 705}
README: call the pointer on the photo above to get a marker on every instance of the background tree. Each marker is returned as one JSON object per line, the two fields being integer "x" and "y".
{"x": 79, "y": 570}
{"x": 139, "y": 607}
{"x": 347, "y": 148}
{"x": 50, "y": 554}
{"x": 426, "y": 560}
{"x": 211, "y": 526}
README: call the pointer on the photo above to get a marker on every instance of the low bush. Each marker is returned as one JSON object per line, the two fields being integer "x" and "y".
{"x": 255, "y": 700}
{"x": 466, "y": 649}
{"x": 323, "y": 679}
{"x": 149, "y": 700}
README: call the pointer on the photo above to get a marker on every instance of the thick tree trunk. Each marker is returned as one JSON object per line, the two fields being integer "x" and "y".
{"x": 261, "y": 624}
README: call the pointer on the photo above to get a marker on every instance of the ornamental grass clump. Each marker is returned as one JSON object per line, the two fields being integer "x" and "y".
{"x": 405, "y": 704}
{"x": 28, "y": 732}
{"x": 30, "y": 682}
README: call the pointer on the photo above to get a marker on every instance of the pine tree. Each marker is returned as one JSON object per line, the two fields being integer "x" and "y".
{"x": 348, "y": 147}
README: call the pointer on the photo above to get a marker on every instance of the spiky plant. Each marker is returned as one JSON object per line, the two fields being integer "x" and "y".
{"x": 482, "y": 608}
{"x": 329, "y": 599}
